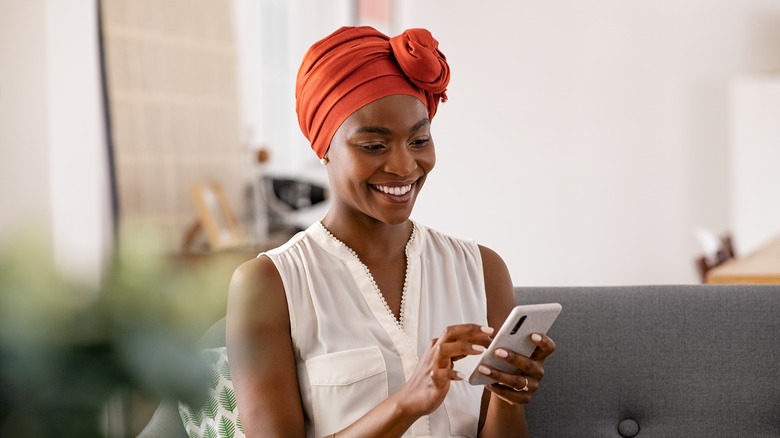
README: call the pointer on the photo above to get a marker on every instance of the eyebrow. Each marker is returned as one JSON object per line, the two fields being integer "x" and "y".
{"x": 385, "y": 131}
{"x": 420, "y": 124}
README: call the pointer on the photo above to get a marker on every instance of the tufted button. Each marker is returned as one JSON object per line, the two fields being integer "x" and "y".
{"x": 628, "y": 428}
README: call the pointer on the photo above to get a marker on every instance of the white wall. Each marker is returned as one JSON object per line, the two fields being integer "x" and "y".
{"x": 24, "y": 182}
{"x": 754, "y": 156}
{"x": 272, "y": 37}
{"x": 584, "y": 141}
{"x": 52, "y": 137}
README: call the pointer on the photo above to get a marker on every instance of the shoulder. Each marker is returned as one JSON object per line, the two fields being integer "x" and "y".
{"x": 439, "y": 241}
{"x": 492, "y": 263}
{"x": 256, "y": 295}
{"x": 433, "y": 233}
{"x": 499, "y": 288}
{"x": 256, "y": 276}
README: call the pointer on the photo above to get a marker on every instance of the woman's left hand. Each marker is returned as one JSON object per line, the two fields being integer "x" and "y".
{"x": 518, "y": 387}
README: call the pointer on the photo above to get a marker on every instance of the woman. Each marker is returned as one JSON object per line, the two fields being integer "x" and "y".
{"x": 356, "y": 326}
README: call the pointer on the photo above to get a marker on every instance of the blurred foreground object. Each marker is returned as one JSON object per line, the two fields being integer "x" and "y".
{"x": 66, "y": 349}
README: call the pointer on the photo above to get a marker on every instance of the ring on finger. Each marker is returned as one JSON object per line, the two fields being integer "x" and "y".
{"x": 525, "y": 386}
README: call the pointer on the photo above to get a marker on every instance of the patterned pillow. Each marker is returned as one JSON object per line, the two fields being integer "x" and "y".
{"x": 218, "y": 417}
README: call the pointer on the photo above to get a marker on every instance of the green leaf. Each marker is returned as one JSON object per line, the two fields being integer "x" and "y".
{"x": 185, "y": 418}
{"x": 227, "y": 398}
{"x": 238, "y": 423}
{"x": 226, "y": 428}
{"x": 211, "y": 407}
{"x": 225, "y": 371}
{"x": 196, "y": 415}
{"x": 210, "y": 432}
{"x": 213, "y": 378}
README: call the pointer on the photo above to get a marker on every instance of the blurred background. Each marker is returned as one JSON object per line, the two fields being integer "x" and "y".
{"x": 583, "y": 141}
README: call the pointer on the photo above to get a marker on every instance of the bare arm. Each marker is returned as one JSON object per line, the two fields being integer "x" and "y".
{"x": 261, "y": 353}
{"x": 503, "y": 413}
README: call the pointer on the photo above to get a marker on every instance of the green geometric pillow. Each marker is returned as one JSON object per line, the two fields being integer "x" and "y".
{"x": 218, "y": 417}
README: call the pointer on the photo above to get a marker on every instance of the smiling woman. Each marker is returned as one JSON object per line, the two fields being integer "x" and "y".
{"x": 354, "y": 327}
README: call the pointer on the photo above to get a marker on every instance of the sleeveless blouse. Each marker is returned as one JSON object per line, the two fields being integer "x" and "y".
{"x": 351, "y": 352}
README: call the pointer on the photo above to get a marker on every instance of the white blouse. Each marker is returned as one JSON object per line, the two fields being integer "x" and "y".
{"x": 351, "y": 351}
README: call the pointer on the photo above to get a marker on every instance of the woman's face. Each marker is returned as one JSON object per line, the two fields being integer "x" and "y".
{"x": 379, "y": 159}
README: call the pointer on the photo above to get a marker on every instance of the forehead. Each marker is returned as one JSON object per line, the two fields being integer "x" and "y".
{"x": 399, "y": 110}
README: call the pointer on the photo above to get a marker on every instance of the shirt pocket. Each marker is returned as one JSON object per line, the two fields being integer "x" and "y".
{"x": 462, "y": 404}
{"x": 344, "y": 386}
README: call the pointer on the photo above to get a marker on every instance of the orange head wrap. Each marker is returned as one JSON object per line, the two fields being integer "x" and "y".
{"x": 355, "y": 66}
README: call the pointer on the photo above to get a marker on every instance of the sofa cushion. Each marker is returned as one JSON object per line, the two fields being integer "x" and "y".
{"x": 218, "y": 417}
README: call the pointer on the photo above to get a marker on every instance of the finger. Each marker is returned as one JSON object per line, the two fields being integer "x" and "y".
{"x": 460, "y": 349}
{"x": 516, "y": 380}
{"x": 545, "y": 346}
{"x": 458, "y": 341}
{"x": 441, "y": 377}
{"x": 523, "y": 364}
{"x": 440, "y": 359}
{"x": 443, "y": 355}
{"x": 473, "y": 333}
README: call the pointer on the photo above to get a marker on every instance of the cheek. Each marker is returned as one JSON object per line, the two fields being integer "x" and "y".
{"x": 429, "y": 161}
{"x": 347, "y": 174}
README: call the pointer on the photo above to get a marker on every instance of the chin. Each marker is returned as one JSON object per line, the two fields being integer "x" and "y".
{"x": 391, "y": 218}
{"x": 397, "y": 221}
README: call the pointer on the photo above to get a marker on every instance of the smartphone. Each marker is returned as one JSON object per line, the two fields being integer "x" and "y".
{"x": 515, "y": 335}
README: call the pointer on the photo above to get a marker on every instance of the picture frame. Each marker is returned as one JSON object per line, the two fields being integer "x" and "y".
{"x": 216, "y": 217}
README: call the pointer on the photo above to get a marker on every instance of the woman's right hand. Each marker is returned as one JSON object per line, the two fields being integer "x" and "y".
{"x": 430, "y": 381}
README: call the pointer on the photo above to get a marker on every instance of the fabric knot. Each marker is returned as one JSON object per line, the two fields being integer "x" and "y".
{"x": 417, "y": 52}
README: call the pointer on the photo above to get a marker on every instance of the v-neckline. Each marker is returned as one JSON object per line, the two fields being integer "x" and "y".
{"x": 400, "y": 321}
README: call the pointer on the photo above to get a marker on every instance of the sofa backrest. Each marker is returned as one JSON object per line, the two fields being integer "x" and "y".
{"x": 660, "y": 361}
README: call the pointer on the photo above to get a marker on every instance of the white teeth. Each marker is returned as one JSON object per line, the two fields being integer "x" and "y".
{"x": 397, "y": 191}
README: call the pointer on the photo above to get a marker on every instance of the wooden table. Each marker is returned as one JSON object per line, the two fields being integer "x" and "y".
{"x": 759, "y": 267}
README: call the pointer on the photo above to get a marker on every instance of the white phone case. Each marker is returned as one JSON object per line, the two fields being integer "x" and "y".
{"x": 515, "y": 335}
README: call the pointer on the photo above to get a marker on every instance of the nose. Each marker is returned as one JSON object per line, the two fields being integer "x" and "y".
{"x": 400, "y": 161}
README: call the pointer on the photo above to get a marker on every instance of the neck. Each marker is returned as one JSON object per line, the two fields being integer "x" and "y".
{"x": 372, "y": 241}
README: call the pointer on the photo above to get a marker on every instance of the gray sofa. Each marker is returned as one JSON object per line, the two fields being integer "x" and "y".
{"x": 661, "y": 361}
{"x": 646, "y": 361}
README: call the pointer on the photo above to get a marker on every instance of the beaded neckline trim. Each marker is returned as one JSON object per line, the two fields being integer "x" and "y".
{"x": 400, "y": 321}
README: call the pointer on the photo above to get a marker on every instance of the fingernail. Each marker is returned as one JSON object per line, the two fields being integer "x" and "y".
{"x": 460, "y": 375}
{"x": 502, "y": 353}
{"x": 484, "y": 370}
{"x": 536, "y": 337}
{"x": 477, "y": 347}
{"x": 486, "y": 329}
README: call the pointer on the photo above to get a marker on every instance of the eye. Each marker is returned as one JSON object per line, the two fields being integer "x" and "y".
{"x": 373, "y": 147}
{"x": 420, "y": 142}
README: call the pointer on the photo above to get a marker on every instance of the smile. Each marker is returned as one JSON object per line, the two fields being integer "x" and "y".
{"x": 396, "y": 191}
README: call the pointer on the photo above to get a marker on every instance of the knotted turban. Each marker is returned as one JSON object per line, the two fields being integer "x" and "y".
{"x": 355, "y": 66}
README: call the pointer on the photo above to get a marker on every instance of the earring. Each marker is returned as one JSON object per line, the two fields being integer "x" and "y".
{"x": 324, "y": 161}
